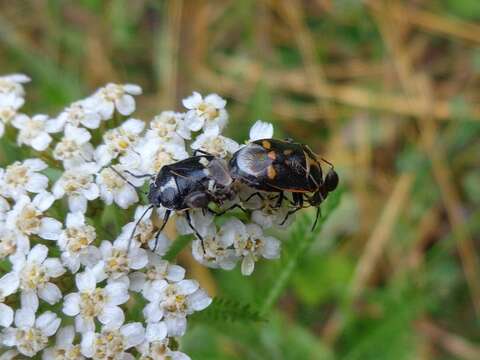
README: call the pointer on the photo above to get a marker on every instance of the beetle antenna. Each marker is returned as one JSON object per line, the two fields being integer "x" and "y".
{"x": 122, "y": 177}
{"x": 328, "y": 162}
{"x": 141, "y": 176}
{"x": 136, "y": 225}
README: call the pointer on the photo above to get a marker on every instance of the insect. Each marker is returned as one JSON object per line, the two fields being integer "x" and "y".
{"x": 274, "y": 165}
{"x": 188, "y": 184}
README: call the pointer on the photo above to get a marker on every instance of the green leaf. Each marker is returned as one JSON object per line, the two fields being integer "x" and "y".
{"x": 302, "y": 240}
{"x": 223, "y": 309}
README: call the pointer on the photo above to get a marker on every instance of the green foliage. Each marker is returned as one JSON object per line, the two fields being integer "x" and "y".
{"x": 297, "y": 246}
{"x": 223, "y": 309}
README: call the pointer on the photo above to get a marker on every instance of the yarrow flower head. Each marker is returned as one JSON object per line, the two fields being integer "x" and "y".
{"x": 74, "y": 244}
{"x": 22, "y": 177}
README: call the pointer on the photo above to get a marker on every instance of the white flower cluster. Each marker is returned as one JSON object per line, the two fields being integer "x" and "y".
{"x": 50, "y": 248}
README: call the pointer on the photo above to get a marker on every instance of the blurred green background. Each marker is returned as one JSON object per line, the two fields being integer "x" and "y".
{"x": 386, "y": 90}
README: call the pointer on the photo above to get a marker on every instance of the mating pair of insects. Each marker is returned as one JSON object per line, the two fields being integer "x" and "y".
{"x": 267, "y": 165}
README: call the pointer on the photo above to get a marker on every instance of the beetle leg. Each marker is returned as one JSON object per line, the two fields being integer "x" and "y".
{"x": 189, "y": 221}
{"x": 231, "y": 208}
{"x": 289, "y": 213}
{"x": 136, "y": 224}
{"x": 281, "y": 196}
{"x": 199, "y": 151}
{"x": 254, "y": 194}
{"x": 165, "y": 220}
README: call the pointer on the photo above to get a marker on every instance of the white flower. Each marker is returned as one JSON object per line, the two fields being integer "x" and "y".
{"x": 78, "y": 184}
{"x": 20, "y": 177}
{"x": 80, "y": 113}
{"x": 261, "y": 130}
{"x": 174, "y": 302}
{"x": 8, "y": 285}
{"x": 213, "y": 143}
{"x": 216, "y": 252}
{"x": 111, "y": 343}
{"x": 119, "y": 140}
{"x": 169, "y": 126}
{"x": 250, "y": 243}
{"x": 9, "y": 105}
{"x": 12, "y": 84}
{"x": 112, "y": 96}
{"x": 64, "y": 348}
{"x": 34, "y": 273}
{"x": 92, "y": 302}
{"x": 34, "y": 131}
{"x": 208, "y": 113}
{"x": 30, "y": 336}
{"x": 27, "y": 218}
{"x": 74, "y": 148}
{"x": 11, "y": 243}
{"x": 156, "y": 270}
{"x": 75, "y": 242}
{"x": 115, "y": 189}
{"x": 118, "y": 259}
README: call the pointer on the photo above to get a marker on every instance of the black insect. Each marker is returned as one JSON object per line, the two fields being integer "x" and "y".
{"x": 280, "y": 166}
{"x": 192, "y": 183}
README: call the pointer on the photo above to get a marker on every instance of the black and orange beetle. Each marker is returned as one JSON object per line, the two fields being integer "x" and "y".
{"x": 280, "y": 166}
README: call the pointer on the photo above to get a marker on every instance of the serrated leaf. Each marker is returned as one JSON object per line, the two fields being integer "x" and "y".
{"x": 223, "y": 309}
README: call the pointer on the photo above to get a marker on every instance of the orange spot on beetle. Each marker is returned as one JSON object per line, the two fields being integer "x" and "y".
{"x": 271, "y": 173}
{"x": 266, "y": 144}
{"x": 287, "y": 152}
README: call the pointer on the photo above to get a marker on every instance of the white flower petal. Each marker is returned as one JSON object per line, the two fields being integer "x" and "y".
{"x": 29, "y": 300}
{"x": 112, "y": 316}
{"x": 133, "y": 333}
{"x": 38, "y": 254}
{"x": 156, "y": 331}
{"x": 43, "y": 200}
{"x": 77, "y": 203}
{"x": 186, "y": 287}
{"x": 125, "y": 105}
{"x": 50, "y": 228}
{"x": 6, "y": 315}
{"x": 248, "y": 264}
{"x": 71, "y": 304}
{"x": 261, "y": 130}
{"x": 152, "y": 312}
{"x": 86, "y": 281}
{"x": 48, "y": 323}
{"x": 65, "y": 336}
{"x": 199, "y": 300}
{"x": 176, "y": 325}
{"x": 50, "y": 293}
{"x": 24, "y": 318}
